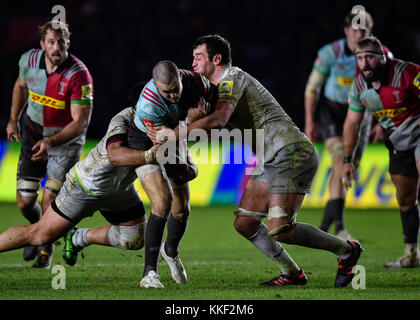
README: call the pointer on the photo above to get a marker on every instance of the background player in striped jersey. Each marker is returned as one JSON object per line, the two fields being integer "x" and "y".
{"x": 335, "y": 67}
{"x": 390, "y": 89}
{"x": 58, "y": 91}
{"x": 103, "y": 181}
{"x": 277, "y": 188}
{"x": 164, "y": 100}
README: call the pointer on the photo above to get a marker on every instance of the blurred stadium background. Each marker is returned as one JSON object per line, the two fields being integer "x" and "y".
{"x": 276, "y": 41}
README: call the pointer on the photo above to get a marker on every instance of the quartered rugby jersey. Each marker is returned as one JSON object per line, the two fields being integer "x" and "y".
{"x": 338, "y": 64}
{"x": 153, "y": 110}
{"x": 50, "y": 96}
{"x": 397, "y": 100}
{"x": 256, "y": 108}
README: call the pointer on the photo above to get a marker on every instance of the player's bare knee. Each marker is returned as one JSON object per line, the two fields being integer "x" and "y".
{"x": 25, "y": 204}
{"x": 283, "y": 228}
{"x": 335, "y": 148}
{"x": 246, "y": 225}
{"x": 181, "y": 214}
{"x": 406, "y": 201}
{"x": 406, "y": 196}
{"x": 161, "y": 204}
{"x": 127, "y": 237}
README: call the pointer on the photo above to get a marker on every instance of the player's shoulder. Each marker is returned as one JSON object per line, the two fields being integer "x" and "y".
{"x": 193, "y": 78}
{"x": 188, "y": 73}
{"x": 400, "y": 67}
{"x": 122, "y": 117}
{"x": 410, "y": 66}
{"x": 334, "y": 48}
{"x": 150, "y": 100}
{"x": 76, "y": 69}
{"x": 359, "y": 84}
{"x": 234, "y": 73}
{"x": 31, "y": 58}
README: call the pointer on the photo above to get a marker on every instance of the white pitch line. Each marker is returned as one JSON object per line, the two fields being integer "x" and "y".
{"x": 109, "y": 265}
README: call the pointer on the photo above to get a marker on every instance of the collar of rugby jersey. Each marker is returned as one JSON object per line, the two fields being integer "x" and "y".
{"x": 347, "y": 50}
{"x": 384, "y": 78}
{"x": 223, "y": 71}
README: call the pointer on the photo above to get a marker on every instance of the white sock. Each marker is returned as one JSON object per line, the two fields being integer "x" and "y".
{"x": 273, "y": 249}
{"x": 79, "y": 238}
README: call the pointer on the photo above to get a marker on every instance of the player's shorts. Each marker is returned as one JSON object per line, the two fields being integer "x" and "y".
{"x": 402, "y": 162}
{"x": 292, "y": 170}
{"x": 75, "y": 203}
{"x": 56, "y": 166}
{"x": 332, "y": 115}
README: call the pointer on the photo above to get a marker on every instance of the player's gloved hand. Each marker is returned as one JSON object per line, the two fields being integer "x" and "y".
{"x": 13, "y": 132}
{"x": 43, "y": 147}
{"x": 201, "y": 110}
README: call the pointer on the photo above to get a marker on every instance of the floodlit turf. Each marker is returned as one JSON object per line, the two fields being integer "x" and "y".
{"x": 221, "y": 265}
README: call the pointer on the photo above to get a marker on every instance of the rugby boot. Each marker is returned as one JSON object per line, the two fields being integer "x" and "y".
{"x": 345, "y": 266}
{"x": 287, "y": 280}
{"x": 151, "y": 280}
{"x": 410, "y": 259}
{"x": 43, "y": 260}
{"x": 175, "y": 264}
{"x": 29, "y": 253}
{"x": 70, "y": 250}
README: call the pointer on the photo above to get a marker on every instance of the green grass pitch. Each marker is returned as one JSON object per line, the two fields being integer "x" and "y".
{"x": 221, "y": 265}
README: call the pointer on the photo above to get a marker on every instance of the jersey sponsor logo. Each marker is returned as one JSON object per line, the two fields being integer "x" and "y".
{"x": 225, "y": 88}
{"x": 416, "y": 81}
{"x": 47, "y": 101}
{"x": 390, "y": 113}
{"x": 346, "y": 82}
{"x": 318, "y": 61}
{"x": 148, "y": 123}
{"x": 87, "y": 92}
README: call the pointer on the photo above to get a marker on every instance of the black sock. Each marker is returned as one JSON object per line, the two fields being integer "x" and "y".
{"x": 339, "y": 215}
{"x": 330, "y": 213}
{"x": 154, "y": 233}
{"x": 176, "y": 230}
{"x": 410, "y": 224}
